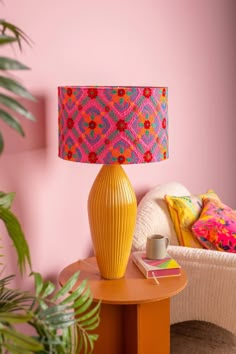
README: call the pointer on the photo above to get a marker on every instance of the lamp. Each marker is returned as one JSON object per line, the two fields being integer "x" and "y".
{"x": 112, "y": 125}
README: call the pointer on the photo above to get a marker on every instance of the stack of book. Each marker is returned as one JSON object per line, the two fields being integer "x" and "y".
{"x": 155, "y": 268}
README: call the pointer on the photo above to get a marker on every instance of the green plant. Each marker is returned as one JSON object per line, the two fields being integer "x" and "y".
{"x": 10, "y": 106}
{"x": 63, "y": 322}
{"x": 53, "y": 316}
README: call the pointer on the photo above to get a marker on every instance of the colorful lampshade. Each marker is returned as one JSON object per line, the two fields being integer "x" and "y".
{"x": 112, "y": 126}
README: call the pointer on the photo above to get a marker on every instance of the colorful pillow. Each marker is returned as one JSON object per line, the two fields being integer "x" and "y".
{"x": 216, "y": 227}
{"x": 184, "y": 211}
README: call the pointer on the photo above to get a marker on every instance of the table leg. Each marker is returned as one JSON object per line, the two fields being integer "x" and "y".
{"x": 153, "y": 327}
{"x": 134, "y": 329}
{"x": 110, "y": 330}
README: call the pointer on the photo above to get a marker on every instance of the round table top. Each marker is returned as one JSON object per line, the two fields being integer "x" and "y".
{"x": 134, "y": 288}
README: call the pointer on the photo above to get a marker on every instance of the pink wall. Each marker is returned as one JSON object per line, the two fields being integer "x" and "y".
{"x": 186, "y": 45}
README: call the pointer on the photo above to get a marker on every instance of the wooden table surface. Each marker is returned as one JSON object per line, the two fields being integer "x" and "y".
{"x": 134, "y": 288}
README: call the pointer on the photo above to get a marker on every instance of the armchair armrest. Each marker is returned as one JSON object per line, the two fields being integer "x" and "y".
{"x": 210, "y": 292}
{"x": 207, "y": 257}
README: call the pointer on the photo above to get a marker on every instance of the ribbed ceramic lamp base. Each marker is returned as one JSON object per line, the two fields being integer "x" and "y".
{"x": 112, "y": 209}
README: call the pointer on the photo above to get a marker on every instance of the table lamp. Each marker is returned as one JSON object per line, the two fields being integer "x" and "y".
{"x": 112, "y": 125}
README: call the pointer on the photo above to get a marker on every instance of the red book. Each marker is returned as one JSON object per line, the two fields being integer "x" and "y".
{"x": 157, "y": 268}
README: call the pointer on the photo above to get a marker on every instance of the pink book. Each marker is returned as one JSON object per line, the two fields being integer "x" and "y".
{"x": 164, "y": 267}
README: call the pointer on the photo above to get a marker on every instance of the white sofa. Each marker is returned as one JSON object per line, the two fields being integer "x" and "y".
{"x": 211, "y": 291}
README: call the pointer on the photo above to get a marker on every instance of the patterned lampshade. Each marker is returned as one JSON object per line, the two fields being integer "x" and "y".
{"x": 113, "y": 125}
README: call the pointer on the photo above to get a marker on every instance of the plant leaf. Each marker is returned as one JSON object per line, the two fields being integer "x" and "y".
{"x": 14, "y": 317}
{"x": 91, "y": 313}
{"x": 16, "y": 349}
{"x": 12, "y": 122}
{"x": 85, "y": 342}
{"x": 76, "y": 294}
{"x": 1, "y": 143}
{"x": 6, "y": 199}
{"x": 4, "y": 39}
{"x": 82, "y": 299}
{"x": 90, "y": 321}
{"x": 11, "y": 64}
{"x": 48, "y": 288}
{"x": 14, "y": 86}
{"x": 67, "y": 287}
{"x": 59, "y": 320}
{"x": 27, "y": 342}
{"x": 79, "y": 344}
{"x": 84, "y": 307}
{"x": 16, "y": 234}
{"x": 38, "y": 282}
{"x": 17, "y": 32}
{"x": 51, "y": 310}
{"x": 15, "y": 106}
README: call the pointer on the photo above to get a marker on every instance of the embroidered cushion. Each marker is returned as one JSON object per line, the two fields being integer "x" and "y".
{"x": 216, "y": 227}
{"x": 184, "y": 211}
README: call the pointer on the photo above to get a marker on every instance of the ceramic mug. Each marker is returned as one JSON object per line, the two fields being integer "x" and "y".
{"x": 156, "y": 246}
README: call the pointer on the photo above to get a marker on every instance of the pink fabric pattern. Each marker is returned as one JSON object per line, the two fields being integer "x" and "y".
{"x": 216, "y": 226}
{"x": 113, "y": 125}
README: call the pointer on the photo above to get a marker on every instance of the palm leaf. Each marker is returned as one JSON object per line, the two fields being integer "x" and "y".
{"x": 15, "y": 106}
{"x": 11, "y": 64}
{"x": 16, "y": 349}
{"x": 4, "y": 39}
{"x": 14, "y": 338}
{"x": 6, "y": 281}
{"x": 16, "y": 234}
{"x": 1, "y": 143}
{"x": 14, "y": 318}
{"x": 88, "y": 314}
{"x": 38, "y": 283}
{"x": 47, "y": 289}
{"x": 76, "y": 294}
{"x": 10, "y": 33}
{"x": 16, "y": 32}
{"x": 62, "y": 316}
{"x": 14, "y": 87}
{"x": 67, "y": 287}
{"x": 12, "y": 122}
{"x": 12, "y": 300}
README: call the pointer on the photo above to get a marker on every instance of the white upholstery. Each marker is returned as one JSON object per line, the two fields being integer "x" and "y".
{"x": 153, "y": 216}
{"x": 211, "y": 291}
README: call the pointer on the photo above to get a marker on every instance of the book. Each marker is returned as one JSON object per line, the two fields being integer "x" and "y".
{"x": 155, "y": 268}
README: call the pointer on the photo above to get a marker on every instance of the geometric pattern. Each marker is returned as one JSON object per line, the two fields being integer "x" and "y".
{"x": 113, "y": 125}
{"x": 164, "y": 263}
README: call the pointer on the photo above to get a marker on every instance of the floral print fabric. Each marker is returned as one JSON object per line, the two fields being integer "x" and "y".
{"x": 216, "y": 227}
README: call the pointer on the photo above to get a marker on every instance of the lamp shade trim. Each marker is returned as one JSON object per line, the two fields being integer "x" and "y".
{"x": 113, "y": 124}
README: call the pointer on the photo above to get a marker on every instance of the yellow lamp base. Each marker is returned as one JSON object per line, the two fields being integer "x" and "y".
{"x": 112, "y": 209}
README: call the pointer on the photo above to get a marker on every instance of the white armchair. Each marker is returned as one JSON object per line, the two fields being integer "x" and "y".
{"x": 211, "y": 291}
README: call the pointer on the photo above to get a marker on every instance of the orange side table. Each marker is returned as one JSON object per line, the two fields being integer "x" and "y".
{"x": 135, "y": 311}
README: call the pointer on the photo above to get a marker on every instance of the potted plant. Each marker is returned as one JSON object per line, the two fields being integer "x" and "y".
{"x": 62, "y": 322}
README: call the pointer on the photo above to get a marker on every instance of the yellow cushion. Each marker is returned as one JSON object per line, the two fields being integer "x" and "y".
{"x": 184, "y": 212}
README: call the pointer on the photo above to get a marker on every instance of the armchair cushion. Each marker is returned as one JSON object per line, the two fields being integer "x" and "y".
{"x": 216, "y": 227}
{"x": 184, "y": 211}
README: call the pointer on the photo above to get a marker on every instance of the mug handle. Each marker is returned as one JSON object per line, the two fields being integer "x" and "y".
{"x": 167, "y": 242}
